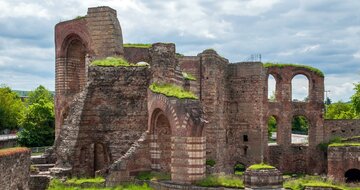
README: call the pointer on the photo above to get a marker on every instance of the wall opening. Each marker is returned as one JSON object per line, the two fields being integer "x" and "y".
{"x": 271, "y": 88}
{"x": 239, "y": 169}
{"x": 352, "y": 176}
{"x": 299, "y": 130}
{"x": 101, "y": 159}
{"x": 272, "y": 130}
{"x": 245, "y": 138}
{"x": 161, "y": 145}
{"x": 75, "y": 76}
{"x": 300, "y": 88}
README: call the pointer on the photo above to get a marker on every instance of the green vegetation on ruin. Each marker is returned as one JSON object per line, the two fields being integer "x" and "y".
{"x": 344, "y": 144}
{"x": 188, "y": 76}
{"x": 281, "y": 65}
{"x": 96, "y": 184}
{"x": 172, "y": 90}
{"x": 210, "y": 162}
{"x": 137, "y": 45}
{"x": 114, "y": 62}
{"x": 221, "y": 181}
{"x": 79, "y": 17}
{"x": 314, "y": 181}
{"x": 153, "y": 176}
{"x": 261, "y": 166}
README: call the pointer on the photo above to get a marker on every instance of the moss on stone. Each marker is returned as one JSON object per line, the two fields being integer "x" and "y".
{"x": 114, "y": 62}
{"x": 188, "y": 76}
{"x": 137, "y": 45}
{"x": 261, "y": 166}
{"x": 172, "y": 90}
{"x": 344, "y": 144}
{"x": 281, "y": 65}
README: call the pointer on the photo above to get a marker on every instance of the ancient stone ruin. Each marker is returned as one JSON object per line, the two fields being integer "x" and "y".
{"x": 109, "y": 122}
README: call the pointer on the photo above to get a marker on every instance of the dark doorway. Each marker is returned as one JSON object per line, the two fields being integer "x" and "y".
{"x": 352, "y": 176}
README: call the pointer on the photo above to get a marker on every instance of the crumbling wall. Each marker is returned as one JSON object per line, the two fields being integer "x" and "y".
{"x": 15, "y": 168}
{"x": 342, "y": 159}
{"x": 343, "y": 128}
{"x": 136, "y": 54}
{"x": 113, "y": 116}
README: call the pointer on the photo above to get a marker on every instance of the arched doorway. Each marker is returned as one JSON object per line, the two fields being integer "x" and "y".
{"x": 271, "y": 88}
{"x": 161, "y": 142}
{"x": 352, "y": 176}
{"x": 75, "y": 68}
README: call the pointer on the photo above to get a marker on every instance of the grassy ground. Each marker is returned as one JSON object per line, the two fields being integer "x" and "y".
{"x": 221, "y": 181}
{"x": 147, "y": 175}
{"x": 95, "y": 184}
{"x": 315, "y": 181}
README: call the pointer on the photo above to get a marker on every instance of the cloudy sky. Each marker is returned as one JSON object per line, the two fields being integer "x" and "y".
{"x": 320, "y": 33}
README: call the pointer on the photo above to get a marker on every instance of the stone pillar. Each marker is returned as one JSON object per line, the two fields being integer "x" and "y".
{"x": 187, "y": 159}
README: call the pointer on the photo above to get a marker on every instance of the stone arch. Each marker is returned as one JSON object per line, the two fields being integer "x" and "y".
{"x": 160, "y": 146}
{"x": 352, "y": 176}
{"x": 295, "y": 82}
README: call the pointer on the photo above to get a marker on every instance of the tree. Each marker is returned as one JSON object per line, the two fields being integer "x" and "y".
{"x": 39, "y": 120}
{"x": 340, "y": 110}
{"x": 39, "y": 94}
{"x": 300, "y": 125}
{"x": 327, "y": 101}
{"x": 356, "y": 99}
{"x": 11, "y": 109}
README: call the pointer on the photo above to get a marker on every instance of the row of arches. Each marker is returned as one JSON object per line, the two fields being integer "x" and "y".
{"x": 299, "y": 88}
{"x": 299, "y": 130}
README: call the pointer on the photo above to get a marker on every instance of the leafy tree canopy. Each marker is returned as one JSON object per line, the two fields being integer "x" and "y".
{"x": 11, "y": 109}
{"x": 39, "y": 94}
{"x": 356, "y": 99}
{"x": 340, "y": 110}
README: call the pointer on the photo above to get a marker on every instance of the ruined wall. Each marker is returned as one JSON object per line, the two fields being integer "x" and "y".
{"x": 15, "y": 168}
{"x": 342, "y": 159}
{"x": 77, "y": 41}
{"x": 191, "y": 65}
{"x": 246, "y": 131}
{"x": 135, "y": 54}
{"x": 284, "y": 109}
{"x": 343, "y": 128}
{"x": 212, "y": 96}
{"x": 113, "y": 116}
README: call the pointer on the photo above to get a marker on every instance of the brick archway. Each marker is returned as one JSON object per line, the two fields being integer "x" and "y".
{"x": 173, "y": 119}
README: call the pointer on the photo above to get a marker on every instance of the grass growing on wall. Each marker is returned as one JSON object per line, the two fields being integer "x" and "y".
{"x": 172, "y": 91}
{"x": 314, "y": 181}
{"x": 261, "y": 166}
{"x": 344, "y": 144}
{"x": 281, "y": 65}
{"x": 115, "y": 62}
{"x": 137, "y": 45}
{"x": 188, "y": 76}
{"x": 221, "y": 181}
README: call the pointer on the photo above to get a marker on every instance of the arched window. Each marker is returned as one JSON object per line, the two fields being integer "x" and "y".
{"x": 299, "y": 130}
{"x": 272, "y": 130}
{"x": 271, "y": 88}
{"x": 300, "y": 88}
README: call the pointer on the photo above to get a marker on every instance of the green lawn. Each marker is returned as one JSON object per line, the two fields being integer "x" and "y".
{"x": 314, "y": 181}
{"x": 221, "y": 181}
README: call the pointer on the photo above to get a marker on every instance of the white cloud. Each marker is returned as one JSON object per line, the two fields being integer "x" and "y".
{"x": 246, "y": 7}
{"x": 23, "y": 10}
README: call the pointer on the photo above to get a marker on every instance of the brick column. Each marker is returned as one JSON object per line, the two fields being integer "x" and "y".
{"x": 188, "y": 156}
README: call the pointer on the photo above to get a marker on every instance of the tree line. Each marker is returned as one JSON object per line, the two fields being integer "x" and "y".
{"x": 34, "y": 119}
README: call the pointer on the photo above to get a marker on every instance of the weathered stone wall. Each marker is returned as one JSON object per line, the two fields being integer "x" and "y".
{"x": 15, "y": 168}
{"x": 191, "y": 65}
{"x": 342, "y": 159}
{"x": 246, "y": 111}
{"x": 343, "y": 128}
{"x": 113, "y": 115}
{"x": 97, "y": 35}
{"x": 135, "y": 54}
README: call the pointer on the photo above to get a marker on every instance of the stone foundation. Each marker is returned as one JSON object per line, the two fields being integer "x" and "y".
{"x": 263, "y": 179}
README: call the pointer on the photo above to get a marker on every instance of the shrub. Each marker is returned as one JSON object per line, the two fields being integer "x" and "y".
{"x": 172, "y": 91}
{"x": 210, "y": 162}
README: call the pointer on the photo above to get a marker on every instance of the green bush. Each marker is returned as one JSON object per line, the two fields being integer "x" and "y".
{"x": 172, "y": 91}
{"x": 239, "y": 169}
{"x": 210, "y": 162}
{"x": 137, "y": 45}
{"x": 151, "y": 175}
